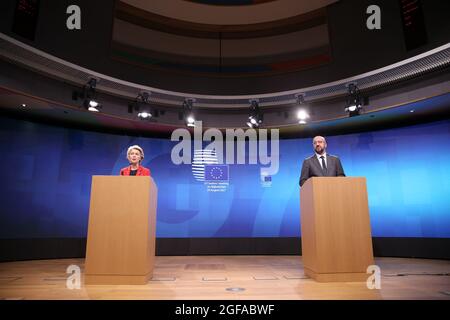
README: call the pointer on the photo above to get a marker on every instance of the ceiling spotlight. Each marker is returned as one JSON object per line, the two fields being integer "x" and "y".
{"x": 352, "y": 108}
{"x": 88, "y": 94}
{"x": 190, "y": 121}
{"x": 144, "y": 115}
{"x": 255, "y": 117}
{"x": 91, "y": 105}
{"x": 23, "y": 105}
{"x": 353, "y": 100}
{"x": 302, "y": 114}
{"x": 93, "y": 109}
{"x": 189, "y": 116}
{"x": 141, "y": 105}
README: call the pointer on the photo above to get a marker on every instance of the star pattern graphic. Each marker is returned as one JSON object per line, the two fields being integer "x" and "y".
{"x": 216, "y": 173}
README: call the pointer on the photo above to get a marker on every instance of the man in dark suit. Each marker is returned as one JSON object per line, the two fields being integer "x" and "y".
{"x": 321, "y": 164}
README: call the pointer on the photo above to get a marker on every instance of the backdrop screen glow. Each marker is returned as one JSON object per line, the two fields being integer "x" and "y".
{"x": 46, "y": 175}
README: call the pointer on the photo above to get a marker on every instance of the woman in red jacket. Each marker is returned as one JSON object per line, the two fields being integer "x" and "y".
{"x": 135, "y": 155}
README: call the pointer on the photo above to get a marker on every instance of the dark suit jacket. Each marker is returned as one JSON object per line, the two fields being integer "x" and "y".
{"x": 311, "y": 168}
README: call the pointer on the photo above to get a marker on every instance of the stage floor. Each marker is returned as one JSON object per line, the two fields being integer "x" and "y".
{"x": 209, "y": 277}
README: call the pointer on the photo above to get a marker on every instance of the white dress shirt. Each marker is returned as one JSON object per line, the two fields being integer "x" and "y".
{"x": 324, "y": 158}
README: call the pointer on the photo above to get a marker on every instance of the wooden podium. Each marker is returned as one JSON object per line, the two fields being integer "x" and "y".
{"x": 121, "y": 235}
{"x": 335, "y": 223}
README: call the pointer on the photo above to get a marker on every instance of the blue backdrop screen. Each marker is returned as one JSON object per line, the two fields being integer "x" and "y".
{"x": 46, "y": 175}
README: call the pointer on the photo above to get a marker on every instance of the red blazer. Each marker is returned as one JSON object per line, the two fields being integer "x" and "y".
{"x": 141, "y": 171}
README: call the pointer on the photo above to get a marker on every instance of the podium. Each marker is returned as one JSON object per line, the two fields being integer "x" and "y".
{"x": 121, "y": 233}
{"x": 335, "y": 224}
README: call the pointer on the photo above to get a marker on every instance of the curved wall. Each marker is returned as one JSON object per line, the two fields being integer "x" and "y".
{"x": 46, "y": 174}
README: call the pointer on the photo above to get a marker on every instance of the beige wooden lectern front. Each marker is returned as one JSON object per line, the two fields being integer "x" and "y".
{"x": 121, "y": 234}
{"x": 335, "y": 223}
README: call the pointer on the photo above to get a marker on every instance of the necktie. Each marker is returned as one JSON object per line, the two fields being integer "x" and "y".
{"x": 324, "y": 166}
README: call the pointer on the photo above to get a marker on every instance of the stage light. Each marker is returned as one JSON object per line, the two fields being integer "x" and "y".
{"x": 141, "y": 104}
{"x": 190, "y": 121}
{"x": 88, "y": 95}
{"x": 90, "y": 106}
{"x": 189, "y": 116}
{"x": 144, "y": 115}
{"x": 352, "y": 108}
{"x": 302, "y": 114}
{"x": 255, "y": 117}
{"x": 93, "y": 106}
{"x": 353, "y": 100}
{"x": 93, "y": 109}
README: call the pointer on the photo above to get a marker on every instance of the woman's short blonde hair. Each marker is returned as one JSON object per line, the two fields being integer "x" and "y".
{"x": 136, "y": 147}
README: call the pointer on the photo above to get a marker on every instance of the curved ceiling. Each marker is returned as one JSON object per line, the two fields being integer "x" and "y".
{"x": 34, "y": 70}
{"x": 228, "y": 15}
{"x": 45, "y": 83}
{"x": 25, "y": 55}
{"x": 231, "y": 48}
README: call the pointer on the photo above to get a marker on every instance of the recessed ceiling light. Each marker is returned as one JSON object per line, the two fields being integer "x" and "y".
{"x": 23, "y": 105}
